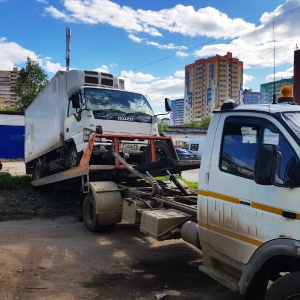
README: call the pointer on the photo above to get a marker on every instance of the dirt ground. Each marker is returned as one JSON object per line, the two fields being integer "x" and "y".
{"x": 45, "y": 253}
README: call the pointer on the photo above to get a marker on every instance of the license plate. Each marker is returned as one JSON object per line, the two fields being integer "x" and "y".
{"x": 129, "y": 146}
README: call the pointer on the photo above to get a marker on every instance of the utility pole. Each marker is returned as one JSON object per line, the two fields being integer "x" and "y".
{"x": 68, "y": 37}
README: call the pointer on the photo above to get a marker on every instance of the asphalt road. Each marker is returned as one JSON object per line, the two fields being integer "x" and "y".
{"x": 191, "y": 175}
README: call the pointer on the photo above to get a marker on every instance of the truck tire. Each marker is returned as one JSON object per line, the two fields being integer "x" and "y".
{"x": 163, "y": 151}
{"x": 89, "y": 215}
{"x": 37, "y": 171}
{"x": 72, "y": 157}
{"x": 286, "y": 287}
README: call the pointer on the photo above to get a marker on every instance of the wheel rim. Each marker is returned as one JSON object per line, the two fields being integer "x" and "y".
{"x": 90, "y": 213}
{"x": 72, "y": 158}
{"x": 160, "y": 155}
{"x": 293, "y": 297}
{"x": 37, "y": 170}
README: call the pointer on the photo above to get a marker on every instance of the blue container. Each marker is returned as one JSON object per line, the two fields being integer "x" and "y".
{"x": 12, "y": 142}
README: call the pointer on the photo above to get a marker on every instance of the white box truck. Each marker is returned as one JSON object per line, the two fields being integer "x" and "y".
{"x": 75, "y": 104}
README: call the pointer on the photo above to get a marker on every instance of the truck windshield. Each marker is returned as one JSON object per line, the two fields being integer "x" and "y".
{"x": 98, "y": 99}
{"x": 293, "y": 120}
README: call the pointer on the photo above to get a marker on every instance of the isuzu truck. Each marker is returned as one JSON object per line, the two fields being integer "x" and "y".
{"x": 59, "y": 122}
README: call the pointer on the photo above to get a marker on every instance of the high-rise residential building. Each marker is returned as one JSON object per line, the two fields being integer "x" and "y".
{"x": 7, "y": 80}
{"x": 267, "y": 89}
{"x": 297, "y": 76}
{"x": 250, "y": 97}
{"x": 177, "y": 113}
{"x": 209, "y": 82}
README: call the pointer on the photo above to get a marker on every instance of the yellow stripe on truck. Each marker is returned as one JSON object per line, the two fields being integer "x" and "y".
{"x": 230, "y": 234}
{"x": 263, "y": 207}
{"x": 219, "y": 196}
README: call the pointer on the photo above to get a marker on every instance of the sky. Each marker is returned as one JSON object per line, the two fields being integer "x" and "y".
{"x": 149, "y": 43}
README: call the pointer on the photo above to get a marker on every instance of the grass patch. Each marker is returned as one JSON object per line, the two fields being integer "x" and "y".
{"x": 190, "y": 184}
{"x": 9, "y": 182}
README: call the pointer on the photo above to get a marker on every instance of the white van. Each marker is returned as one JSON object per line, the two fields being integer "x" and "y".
{"x": 196, "y": 146}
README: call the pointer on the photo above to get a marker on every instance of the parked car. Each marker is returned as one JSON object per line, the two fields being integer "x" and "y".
{"x": 196, "y": 146}
{"x": 185, "y": 154}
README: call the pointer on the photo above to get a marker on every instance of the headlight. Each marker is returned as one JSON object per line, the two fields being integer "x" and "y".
{"x": 86, "y": 134}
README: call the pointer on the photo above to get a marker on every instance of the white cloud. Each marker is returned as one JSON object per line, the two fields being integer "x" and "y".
{"x": 137, "y": 77}
{"x": 51, "y": 67}
{"x": 170, "y": 46}
{"x": 256, "y": 47}
{"x": 135, "y": 38}
{"x": 247, "y": 78}
{"x": 281, "y": 75}
{"x": 156, "y": 89}
{"x": 13, "y": 55}
{"x": 103, "y": 68}
{"x": 181, "y": 54}
{"x": 180, "y": 74}
{"x": 206, "y": 21}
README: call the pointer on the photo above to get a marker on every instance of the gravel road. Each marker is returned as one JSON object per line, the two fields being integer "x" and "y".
{"x": 46, "y": 254}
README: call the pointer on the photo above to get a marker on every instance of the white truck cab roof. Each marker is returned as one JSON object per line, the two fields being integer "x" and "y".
{"x": 264, "y": 108}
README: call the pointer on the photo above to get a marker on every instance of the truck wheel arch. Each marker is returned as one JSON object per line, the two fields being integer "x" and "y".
{"x": 271, "y": 258}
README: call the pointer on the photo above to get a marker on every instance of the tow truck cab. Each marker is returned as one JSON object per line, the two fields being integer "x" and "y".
{"x": 248, "y": 196}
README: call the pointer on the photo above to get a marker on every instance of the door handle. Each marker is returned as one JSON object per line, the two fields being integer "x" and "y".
{"x": 245, "y": 203}
{"x": 289, "y": 214}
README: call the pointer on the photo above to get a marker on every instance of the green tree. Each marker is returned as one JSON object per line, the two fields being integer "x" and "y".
{"x": 30, "y": 82}
{"x": 205, "y": 122}
{"x": 163, "y": 127}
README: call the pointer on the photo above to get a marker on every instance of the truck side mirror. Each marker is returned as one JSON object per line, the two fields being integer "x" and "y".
{"x": 168, "y": 105}
{"x": 75, "y": 98}
{"x": 265, "y": 165}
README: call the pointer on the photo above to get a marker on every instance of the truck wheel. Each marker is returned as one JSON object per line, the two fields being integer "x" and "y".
{"x": 72, "y": 157}
{"x": 286, "y": 287}
{"x": 37, "y": 170}
{"x": 90, "y": 217}
{"x": 163, "y": 151}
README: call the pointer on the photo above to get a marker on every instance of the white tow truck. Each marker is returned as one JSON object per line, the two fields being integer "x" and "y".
{"x": 246, "y": 215}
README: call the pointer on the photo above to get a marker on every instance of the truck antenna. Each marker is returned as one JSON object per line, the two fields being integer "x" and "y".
{"x": 68, "y": 37}
{"x": 274, "y": 92}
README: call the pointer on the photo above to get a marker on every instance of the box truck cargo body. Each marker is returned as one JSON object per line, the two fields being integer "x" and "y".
{"x": 73, "y": 106}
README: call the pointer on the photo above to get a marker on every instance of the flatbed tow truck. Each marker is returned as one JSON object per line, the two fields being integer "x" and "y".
{"x": 245, "y": 217}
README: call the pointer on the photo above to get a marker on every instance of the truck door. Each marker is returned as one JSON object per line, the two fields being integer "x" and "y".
{"x": 73, "y": 125}
{"x": 231, "y": 188}
{"x": 278, "y": 204}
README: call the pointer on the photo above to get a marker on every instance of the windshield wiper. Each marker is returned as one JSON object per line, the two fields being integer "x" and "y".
{"x": 113, "y": 110}
{"x": 138, "y": 113}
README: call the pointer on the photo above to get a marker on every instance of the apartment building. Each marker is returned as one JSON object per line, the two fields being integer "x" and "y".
{"x": 250, "y": 97}
{"x": 177, "y": 113}
{"x": 209, "y": 82}
{"x": 267, "y": 89}
{"x": 7, "y": 80}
